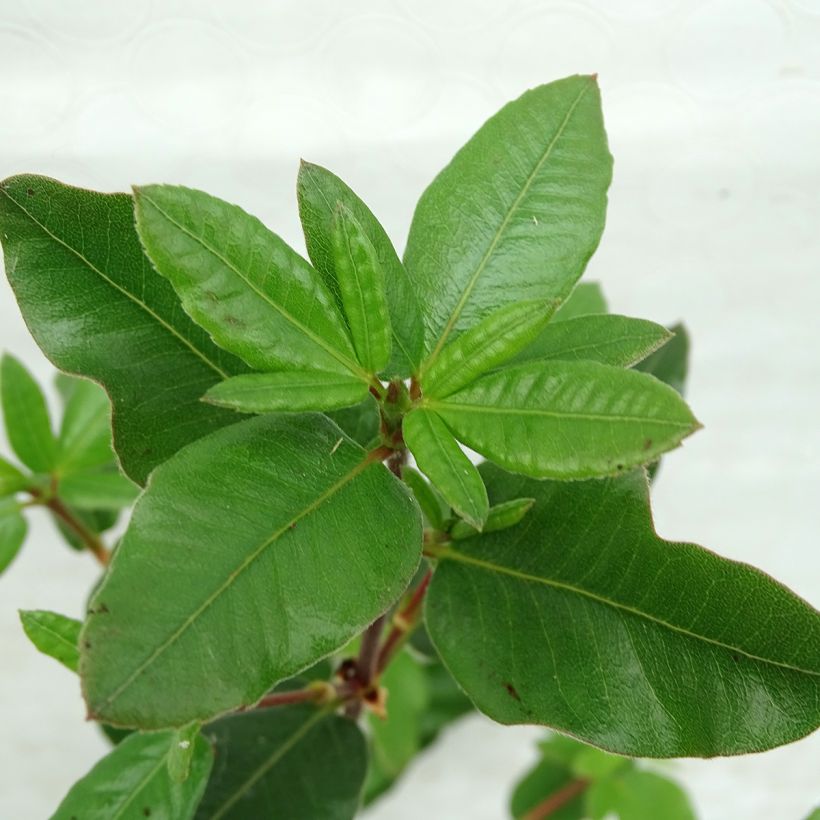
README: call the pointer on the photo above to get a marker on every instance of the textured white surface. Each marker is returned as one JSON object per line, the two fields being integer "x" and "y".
{"x": 713, "y": 110}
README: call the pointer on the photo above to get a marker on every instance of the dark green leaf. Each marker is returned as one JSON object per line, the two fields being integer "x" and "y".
{"x": 361, "y": 283}
{"x": 25, "y": 413}
{"x": 292, "y": 542}
{"x": 297, "y": 762}
{"x": 360, "y": 422}
{"x": 585, "y": 300}
{"x": 441, "y": 459}
{"x": 54, "y": 635}
{"x": 583, "y": 619}
{"x": 11, "y": 479}
{"x": 132, "y": 783}
{"x": 517, "y": 213}
{"x": 13, "y": 530}
{"x": 292, "y": 390}
{"x": 446, "y": 702}
{"x": 671, "y": 363}
{"x": 435, "y": 508}
{"x": 97, "y": 490}
{"x": 319, "y": 190}
{"x": 489, "y": 344}
{"x": 95, "y": 306}
{"x": 255, "y": 295}
{"x": 606, "y": 338}
{"x": 500, "y": 517}
{"x": 567, "y": 419}
{"x": 638, "y": 795}
{"x": 85, "y": 432}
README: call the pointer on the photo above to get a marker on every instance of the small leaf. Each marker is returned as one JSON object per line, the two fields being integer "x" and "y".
{"x": 361, "y": 283}
{"x": 132, "y": 782}
{"x": 98, "y": 490}
{"x": 11, "y": 479}
{"x": 638, "y": 795}
{"x": 583, "y": 619}
{"x": 489, "y": 344}
{"x": 516, "y": 214}
{"x": 54, "y": 635}
{"x": 85, "y": 432}
{"x": 27, "y": 422}
{"x": 284, "y": 518}
{"x": 441, "y": 459}
{"x": 13, "y": 530}
{"x": 567, "y": 420}
{"x": 318, "y": 191}
{"x": 292, "y": 390}
{"x": 606, "y": 338}
{"x": 587, "y": 299}
{"x": 95, "y": 306}
{"x": 255, "y": 295}
{"x": 671, "y": 363}
{"x": 548, "y": 777}
{"x": 297, "y": 762}
{"x": 434, "y": 507}
{"x": 181, "y": 753}
{"x": 501, "y": 517}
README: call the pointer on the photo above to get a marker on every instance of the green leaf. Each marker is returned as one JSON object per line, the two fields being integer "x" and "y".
{"x": 13, "y": 530}
{"x": 489, "y": 344}
{"x": 98, "y": 521}
{"x": 435, "y": 508}
{"x": 583, "y": 619}
{"x": 606, "y": 338}
{"x": 54, "y": 635}
{"x": 815, "y": 815}
{"x": 548, "y": 777}
{"x": 586, "y": 299}
{"x": 26, "y": 416}
{"x": 500, "y": 517}
{"x": 361, "y": 283}
{"x": 104, "y": 489}
{"x": 297, "y": 762}
{"x": 567, "y": 419}
{"x": 516, "y": 214}
{"x": 293, "y": 542}
{"x": 292, "y": 390}
{"x": 11, "y": 479}
{"x": 441, "y": 459}
{"x": 318, "y": 191}
{"x": 360, "y": 422}
{"x": 181, "y": 753}
{"x": 254, "y": 294}
{"x": 96, "y": 307}
{"x": 446, "y": 702}
{"x": 85, "y": 432}
{"x": 638, "y": 795}
{"x": 671, "y": 363}
{"x": 132, "y": 782}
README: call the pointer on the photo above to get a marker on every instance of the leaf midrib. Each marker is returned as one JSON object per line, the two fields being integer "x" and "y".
{"x": 170, "y": 328}
{"x": 471, "y": 283}
{"x": 348, "y": 363}
{"x": 448, "y": 553}
{"x": 232, "y": 577}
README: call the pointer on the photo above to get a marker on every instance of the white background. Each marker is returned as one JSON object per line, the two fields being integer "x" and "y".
{"x": 713, "y": 110}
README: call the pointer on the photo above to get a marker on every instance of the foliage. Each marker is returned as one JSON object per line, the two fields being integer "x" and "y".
{"x": 295, "y": 612}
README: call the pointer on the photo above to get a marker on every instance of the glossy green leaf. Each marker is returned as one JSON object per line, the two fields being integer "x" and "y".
{"x": 441, "y": 459}
{"x": 293, "y": 390}
{"x": 54, "y": 635}
{"x": 181, "y": 754}
{"x": 296, "y": 762}
{"x": 489, "y": 344}
{"x": 500, "y": 517}
{"x": 435, "y": 508}
{"x": 361, "y": 283}
{"x": 671, "y": 363}
{"x": 13, "y": 530}
{"x": 587, "y": 298}
{"x": 567, "y": 419}
{"x": 255, "y": 295}
{"x": 318, "y": 191}
{"x": 360, "y": 422}
{"x": 283, "y": 518}
{"x": 638, "y": 795}
{"x": 516, "y": 214}
{"x": 11, "y": 479}
{"x": 583, "y": 619}
{"x": 95, "y": 306}
{"x": 606, "y": 338}
{"x": 25, "y": 413}
{"x": 85, "y": 432}
{"x": 101, "y": 489}
{"x": 132, "y": 782}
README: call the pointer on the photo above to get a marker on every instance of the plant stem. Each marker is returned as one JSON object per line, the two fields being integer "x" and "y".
{"x": 557, "y": 800}
{"x": 286, "y": 698}
{"x": 403, "y": 624}
{"x": 366, "y": 662}
{"x": 89, "y": 538}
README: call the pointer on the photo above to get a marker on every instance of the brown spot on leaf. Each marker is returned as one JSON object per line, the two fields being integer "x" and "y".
{"x": 30, "y": 191}
{"x": 146, "y": 811}
{"x": 647, "y": 444}
{"x": 512, "y": 691}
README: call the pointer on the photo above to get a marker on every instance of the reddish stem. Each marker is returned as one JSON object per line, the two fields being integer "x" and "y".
{"x": 89, "y": 538}
{"x": 557, "y": 800}
{"x": 286, "y": 698}
{"x": 403, "y": 623}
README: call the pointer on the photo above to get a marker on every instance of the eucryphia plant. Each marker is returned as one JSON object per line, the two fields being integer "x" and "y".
{"x": 294, "y": 611}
